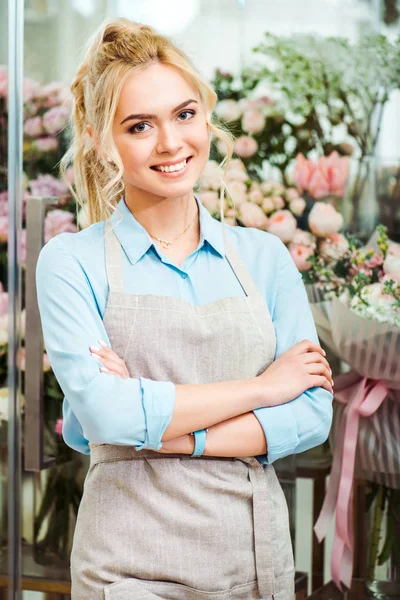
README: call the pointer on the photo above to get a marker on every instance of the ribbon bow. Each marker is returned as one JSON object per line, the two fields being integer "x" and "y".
{"x": 362, "y": 399}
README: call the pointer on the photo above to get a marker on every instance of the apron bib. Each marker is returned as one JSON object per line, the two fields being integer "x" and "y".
{"x": 168, "y": 526}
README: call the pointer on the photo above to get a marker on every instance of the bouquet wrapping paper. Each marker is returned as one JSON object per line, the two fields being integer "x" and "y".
{"x": 366, "y": 426}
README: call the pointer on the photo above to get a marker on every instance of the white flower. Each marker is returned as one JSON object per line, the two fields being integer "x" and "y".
{"x": 304, "y": 238}
{"x": 391, "y": 266}
{"x": 334, "y": 246}
{"x": 253, "y": 121}
{"x": 237, "y": 191}
{"x": 297, "y": 206}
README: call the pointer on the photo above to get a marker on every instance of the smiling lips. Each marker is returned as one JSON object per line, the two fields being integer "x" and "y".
{"x": 172, "y": 168}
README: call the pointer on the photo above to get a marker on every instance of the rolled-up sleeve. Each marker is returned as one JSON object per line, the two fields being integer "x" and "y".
{"x": 97, "y": 407}
{"x": 305, "y": 421}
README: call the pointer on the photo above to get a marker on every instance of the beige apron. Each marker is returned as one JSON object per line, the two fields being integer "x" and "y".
{"x": 168, "y": 526}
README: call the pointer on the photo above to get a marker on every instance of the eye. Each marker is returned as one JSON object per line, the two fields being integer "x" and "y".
{"x": 138, "y": 128}
{"x": 187, "y": 112}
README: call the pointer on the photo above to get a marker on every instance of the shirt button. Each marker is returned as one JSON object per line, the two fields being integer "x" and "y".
{"x": 184, "y": 275}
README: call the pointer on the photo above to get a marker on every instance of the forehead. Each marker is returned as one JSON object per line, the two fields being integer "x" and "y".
{"x": 155, "y": 89}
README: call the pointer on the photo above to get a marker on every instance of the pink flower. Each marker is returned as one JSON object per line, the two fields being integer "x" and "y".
{"x": 237, "y": 190}
{"x": 210, "y": 200}
{"x": 253, "y": 121}
{"x": 335, "y": 170}
{"x": 58, "y": 221}
{"x": 31, "y": 89}
{"x": 4, "y": 204}
{"x": 304, "y": 238}
{"x": 324, "y": 220}
{"x": 56, "y": 93}
{"x": 334, "y": 246}
{"x": 228, "y": 110}
{"x": 391, "y": 267}
{"x": 297, "y": 206}
{"x": 256, "y": 196}
{"x": 47, "y": 185}
{"x": 268, "y": 205}
{"x": 23, "y": 246}
{"x": 292, "y": 194}
{"x": 303, "y": 172}
{"x": 70, "y": 175}
{"x": 300, "y": 254}
{"x": 55, "y": 119}
{"x": 236, "y": 175}
{"x": 283, "y": 224}
{"x": 3, "y": 81}
{"x": 3, "y": 229}
{"x": 319, "y": 185}
{"x": 46, "y": 144}
{"x": 245, "y": 146}
{"x": 252, "y": 215}
{"x": 278, "y": 202}
{"x": 33, "y": 127}
{"x": 3, "y": 301}
{"x": 59, "y": 426}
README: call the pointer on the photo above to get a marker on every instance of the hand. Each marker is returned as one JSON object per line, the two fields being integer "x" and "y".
{"x": 113, "y": 364}
{"x": 298, "y": 369}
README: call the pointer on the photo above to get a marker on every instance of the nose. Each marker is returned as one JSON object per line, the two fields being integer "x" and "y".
{"x": 169, "y": 140}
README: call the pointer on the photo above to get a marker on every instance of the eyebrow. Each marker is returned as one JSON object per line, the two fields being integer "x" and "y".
{"x": 144, "y": 116}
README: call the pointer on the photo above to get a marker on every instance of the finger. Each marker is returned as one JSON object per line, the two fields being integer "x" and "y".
{"x": 109, "y": 372}
{"x": 113, "y": 365}
{"x": 106, "y": 353}
{"x": 310, "y": 357}
{"x": 320, "y": 369}
{"x": 306, "y": 346}
{"x": 319, "y": 381}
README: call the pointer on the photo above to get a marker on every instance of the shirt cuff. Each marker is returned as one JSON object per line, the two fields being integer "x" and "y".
{"x": 280, "y": 429}
{"x": 158, "y": 399}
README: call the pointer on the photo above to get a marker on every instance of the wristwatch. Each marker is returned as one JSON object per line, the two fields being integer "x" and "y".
{"x": 199, "y": 441}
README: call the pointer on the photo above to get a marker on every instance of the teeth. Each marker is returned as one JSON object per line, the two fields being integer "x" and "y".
{"x": 172, "y": 168}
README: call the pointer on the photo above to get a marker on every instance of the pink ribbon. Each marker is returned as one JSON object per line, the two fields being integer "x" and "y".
{"x": 363, "y": 397}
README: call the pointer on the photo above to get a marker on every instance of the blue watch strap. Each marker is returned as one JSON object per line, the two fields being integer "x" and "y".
{"x": 199, "y": 442}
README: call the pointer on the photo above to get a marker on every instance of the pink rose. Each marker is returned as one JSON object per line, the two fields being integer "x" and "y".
{"x": 278, "y": 202}
{"x": 33, "y": 127}
{"x": 245, "y": 146}
{"x": 324, "y": 220}
{"x": 283, "y": 224}
{"x": 236, "y": 175}
{"x": 228, "y": 110}
{"x": 391, "y": 267}
{"x": 334, "y": 246}
{"x": 292, "y": 194}
{"x": 31, "y": 89}
{"x": 237, "y": 191}
{"x": 236, "y": 163}
{"x": 303, "y": 172}
{"x": 46, "y": 144}
{"x": 253, "y": 121}
{"x": 268, "y": 205}
{"x": 56, "y": 93}
{"x": 55, "y": 119}
{"x": 297, "y": 206}
{"x": 59, "y": 426}
{"x": 304, "y": 238}
{"x": 58, "y": 221}
{"x": 210, "y": 200}
{"x": 211, "y": 176}
{"x": 319, "y": 185}
{"x": 300, "y": 254}
{"x": 252, "y": 215}
{"x": 256, "y": 196}
{"x": 246, "y": 104}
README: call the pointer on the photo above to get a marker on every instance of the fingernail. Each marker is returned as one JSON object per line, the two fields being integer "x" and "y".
{"x": 102, "y": 344}
{"x": 95, "y": 348}
{"x": 105, "y": 369}
{"x": 324, "y": 353}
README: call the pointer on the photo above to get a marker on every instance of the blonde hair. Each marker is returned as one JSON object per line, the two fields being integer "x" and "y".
{"x": 116, "y": 49}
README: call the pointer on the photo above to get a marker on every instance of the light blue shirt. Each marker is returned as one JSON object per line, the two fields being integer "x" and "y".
{"x": 72, "y": 295}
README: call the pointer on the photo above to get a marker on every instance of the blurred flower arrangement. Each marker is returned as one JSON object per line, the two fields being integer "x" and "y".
{"x": 46, "y": 113}
{"x": 314, "y": 96}
{"x": 354, "y": 294}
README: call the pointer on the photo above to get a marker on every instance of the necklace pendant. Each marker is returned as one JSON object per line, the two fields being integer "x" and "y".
{"x": 165, "y": 243}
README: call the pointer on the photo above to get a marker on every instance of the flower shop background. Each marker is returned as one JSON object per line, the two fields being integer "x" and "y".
{"x": 350, "y": 156}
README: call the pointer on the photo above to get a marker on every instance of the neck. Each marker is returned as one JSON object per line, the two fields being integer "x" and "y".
{"x": 161, "y": 216}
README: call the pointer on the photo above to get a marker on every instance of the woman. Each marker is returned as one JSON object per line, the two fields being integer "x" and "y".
{"x": 202, "y": 329}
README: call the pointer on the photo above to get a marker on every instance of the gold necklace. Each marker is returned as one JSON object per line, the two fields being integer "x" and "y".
{"x": 167, "y": 243}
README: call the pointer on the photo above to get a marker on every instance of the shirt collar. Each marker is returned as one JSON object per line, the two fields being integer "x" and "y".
{"x": 135, "y": 240}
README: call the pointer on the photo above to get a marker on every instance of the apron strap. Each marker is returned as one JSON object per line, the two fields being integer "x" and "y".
{"x": 113, "y": 252}
{"x": 239, "y": 268}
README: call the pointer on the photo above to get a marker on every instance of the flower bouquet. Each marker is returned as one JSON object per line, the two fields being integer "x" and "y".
{"x": 357, "y": 302}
